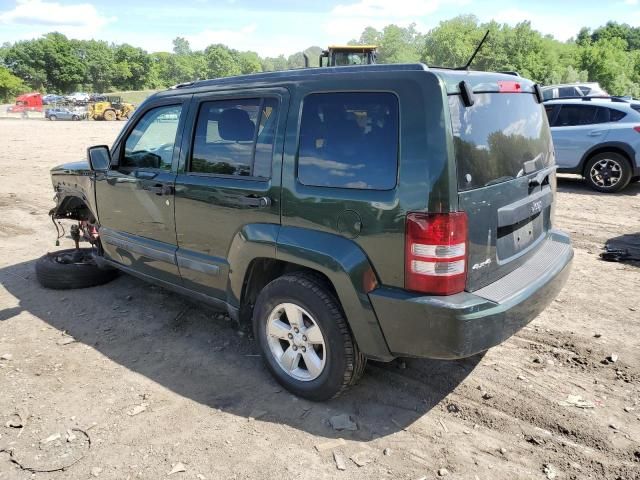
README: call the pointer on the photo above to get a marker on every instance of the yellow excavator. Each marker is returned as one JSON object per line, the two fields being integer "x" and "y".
{"x": 110, "y": 109}
{"x": 340, "y": 55}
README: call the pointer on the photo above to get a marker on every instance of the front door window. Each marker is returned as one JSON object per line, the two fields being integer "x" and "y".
{"x": 150, "y": 144}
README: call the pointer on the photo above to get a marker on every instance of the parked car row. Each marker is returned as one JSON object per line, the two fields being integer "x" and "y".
{"x": 76, "y": 98}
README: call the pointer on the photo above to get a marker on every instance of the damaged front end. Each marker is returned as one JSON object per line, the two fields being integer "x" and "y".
{"x": 75, "y": 200}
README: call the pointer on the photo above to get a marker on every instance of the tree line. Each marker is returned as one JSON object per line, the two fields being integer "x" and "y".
{"x": 54, "y": 63}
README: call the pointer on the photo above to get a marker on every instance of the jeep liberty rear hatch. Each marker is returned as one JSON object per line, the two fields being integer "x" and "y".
{"x": 505, "y": 173}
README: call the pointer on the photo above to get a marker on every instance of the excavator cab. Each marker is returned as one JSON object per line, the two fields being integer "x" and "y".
{"x": 342, "y": 55}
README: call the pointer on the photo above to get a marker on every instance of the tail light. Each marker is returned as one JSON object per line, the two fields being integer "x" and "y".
{"x": 436, "y": 252}
{"x": 637, "y": 128}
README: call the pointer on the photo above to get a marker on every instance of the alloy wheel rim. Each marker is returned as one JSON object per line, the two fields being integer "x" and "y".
{"x": 606, "y": 173}
{"x": 296, "y": 342}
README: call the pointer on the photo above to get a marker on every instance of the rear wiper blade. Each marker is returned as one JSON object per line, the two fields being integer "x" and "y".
{"x": 499, "y": 180}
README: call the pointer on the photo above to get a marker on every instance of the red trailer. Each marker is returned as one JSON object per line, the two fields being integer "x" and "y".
{"x": 29, "y": 102}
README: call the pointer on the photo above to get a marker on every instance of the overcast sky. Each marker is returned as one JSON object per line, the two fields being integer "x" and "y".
{"x": 284, "y": 26}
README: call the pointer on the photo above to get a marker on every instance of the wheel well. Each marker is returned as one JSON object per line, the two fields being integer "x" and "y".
{"x": 600, "y": 150}
{"x": 260, "y": 272}
{"x": 73, "y": 208}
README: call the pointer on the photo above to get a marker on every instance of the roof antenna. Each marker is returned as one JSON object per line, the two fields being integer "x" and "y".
{"x": 466, "y": 67}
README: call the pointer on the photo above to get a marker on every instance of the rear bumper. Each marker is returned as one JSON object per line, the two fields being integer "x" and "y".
{"x": 464, "y": 324}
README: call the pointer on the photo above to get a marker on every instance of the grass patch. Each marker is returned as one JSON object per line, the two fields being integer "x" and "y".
{"x": 133, "y": 96}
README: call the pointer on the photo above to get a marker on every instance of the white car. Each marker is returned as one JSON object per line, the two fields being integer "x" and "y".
{"x": 588, "y": 89}
{"x": 77, "y": 97}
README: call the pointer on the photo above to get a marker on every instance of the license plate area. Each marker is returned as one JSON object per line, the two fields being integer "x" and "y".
{"x": 514, "y": 239}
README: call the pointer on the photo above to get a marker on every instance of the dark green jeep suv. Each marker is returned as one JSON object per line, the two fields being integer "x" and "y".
{"x": 348, "y": 213}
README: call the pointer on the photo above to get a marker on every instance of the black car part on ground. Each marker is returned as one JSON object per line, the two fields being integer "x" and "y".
{"x": 625, "y": 248}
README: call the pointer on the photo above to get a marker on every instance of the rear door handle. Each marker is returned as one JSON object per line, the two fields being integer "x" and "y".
{"x": 159, "y": 189}
{"x": 258, "y": 202}
{"x": 595, "y": 133}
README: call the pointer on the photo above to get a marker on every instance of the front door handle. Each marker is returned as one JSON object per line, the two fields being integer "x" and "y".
{"x": 258, "y": 202}
{"x": 595, "y": 133}
{"x": 159, "y": 189}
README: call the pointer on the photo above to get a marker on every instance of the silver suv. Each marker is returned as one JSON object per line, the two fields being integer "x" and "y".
{"x": 598, "y": 139}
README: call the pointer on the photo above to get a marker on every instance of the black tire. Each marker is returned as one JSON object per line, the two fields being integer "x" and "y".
{"x": 75, "y": 118}
{"x": 621, "y": 172}
{"x": 344, "y": 362}
{"x": 53, "y": 118}
{"x": 71, "y": 268}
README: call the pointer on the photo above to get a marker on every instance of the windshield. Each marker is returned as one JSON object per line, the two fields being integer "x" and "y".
{"x": 350, "y": 58}
{"x": 501, "y": 137}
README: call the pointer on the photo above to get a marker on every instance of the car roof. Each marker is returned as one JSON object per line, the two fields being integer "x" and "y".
{"x": 601, "y": 102}
{"x": 450, "y": 77}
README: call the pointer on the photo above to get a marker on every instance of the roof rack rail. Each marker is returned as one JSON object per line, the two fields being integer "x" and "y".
{"x": 182, "y": 85}
{"x": 588, "y": 98}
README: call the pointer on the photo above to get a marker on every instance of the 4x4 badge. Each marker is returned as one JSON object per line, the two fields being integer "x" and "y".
{"x": 478, "y": 266}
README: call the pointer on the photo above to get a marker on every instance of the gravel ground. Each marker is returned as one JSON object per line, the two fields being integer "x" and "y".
{"x": 128, "y": 381}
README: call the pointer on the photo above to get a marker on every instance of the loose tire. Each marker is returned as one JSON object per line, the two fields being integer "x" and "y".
{"x": 71, "y": 268}
{"x": 109, "y": 115}
{"x": 53, "y": 118}
{"x": 304, "y": 337}
{"x": 607, "y": 172}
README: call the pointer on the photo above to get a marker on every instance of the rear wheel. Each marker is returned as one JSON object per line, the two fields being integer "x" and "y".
{"x": 607, "y": 172}
{"x": 75, "y": 117}
{"x": 109, "y": 115}
{"x": 304, "y": 337}
{"x": 72, "y": 268}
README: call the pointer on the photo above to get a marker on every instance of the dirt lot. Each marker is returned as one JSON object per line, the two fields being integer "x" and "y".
{"x": 130, "y": 381}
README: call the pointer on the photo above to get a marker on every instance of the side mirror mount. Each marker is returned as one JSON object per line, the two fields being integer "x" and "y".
{"x": 99, "y": 158}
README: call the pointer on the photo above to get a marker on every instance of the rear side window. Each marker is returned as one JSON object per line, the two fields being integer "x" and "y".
{"x": 235, "y": 137}
{"x": 616, "y": 115}
{"x": 574, "y": 115}
{"x": 568, "y": 92}
{"x": 349, "y": 140}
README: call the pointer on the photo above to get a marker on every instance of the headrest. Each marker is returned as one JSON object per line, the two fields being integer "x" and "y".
{"x": 235, "y": 125}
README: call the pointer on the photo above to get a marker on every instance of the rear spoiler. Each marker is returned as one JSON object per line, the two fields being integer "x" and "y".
{"x": 467, "y": 92}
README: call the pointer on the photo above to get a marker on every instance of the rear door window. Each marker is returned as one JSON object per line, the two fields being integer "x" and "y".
{"x": 574, "y": 115}
{"x": 235, "y": 137}
{"x": 349, "y": 140}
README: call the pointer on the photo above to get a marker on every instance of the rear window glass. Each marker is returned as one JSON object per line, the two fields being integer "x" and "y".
{"x": 501, "y": 137}
{"x": 349, "y": 140}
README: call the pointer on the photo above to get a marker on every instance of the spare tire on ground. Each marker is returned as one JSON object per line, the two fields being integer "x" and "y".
{"x": 72, "y": 268}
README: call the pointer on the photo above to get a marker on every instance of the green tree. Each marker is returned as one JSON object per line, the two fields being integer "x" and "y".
{"x": 248, "y": 62}
{"x": 99, "y": 60}
{"x": 181, "y": 46}
{"x": 10, "y": 85}
{"x": 608, "y": 63}
{"x": 131, "y": 68}
{"x": 220, "y": 61}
